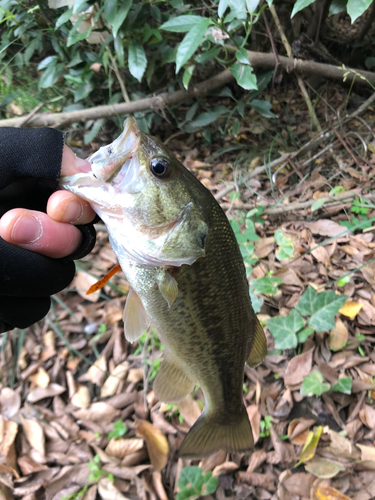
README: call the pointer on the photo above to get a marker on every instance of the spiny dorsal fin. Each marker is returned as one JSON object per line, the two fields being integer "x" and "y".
{"x": 259, "y": 348}
{"x": 171, "y": 384}
{"x": 136, "y": 319}
{"x": 168, "y": 288}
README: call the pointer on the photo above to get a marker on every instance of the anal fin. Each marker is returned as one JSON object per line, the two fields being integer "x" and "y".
{"x": 171, "y": 384}
{"x": 259, "y": 348}
{"x": 136, "y": 319}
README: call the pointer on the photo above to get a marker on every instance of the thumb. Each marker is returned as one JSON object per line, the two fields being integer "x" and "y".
{"x": 72, "y": 164}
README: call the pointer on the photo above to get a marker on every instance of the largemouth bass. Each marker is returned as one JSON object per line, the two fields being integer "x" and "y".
{"x": 187, "y": 278}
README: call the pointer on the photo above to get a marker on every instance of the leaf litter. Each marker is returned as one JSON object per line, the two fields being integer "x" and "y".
{"x": 68, "y": 381}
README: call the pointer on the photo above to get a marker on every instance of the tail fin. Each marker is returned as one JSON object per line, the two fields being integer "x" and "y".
{"x": 208, "y": 436}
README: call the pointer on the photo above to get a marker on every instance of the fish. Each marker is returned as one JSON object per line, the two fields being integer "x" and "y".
{"x": 187, "y": 279}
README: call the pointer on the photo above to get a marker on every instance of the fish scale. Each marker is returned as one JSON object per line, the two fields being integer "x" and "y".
{"x": 187, "y": 280}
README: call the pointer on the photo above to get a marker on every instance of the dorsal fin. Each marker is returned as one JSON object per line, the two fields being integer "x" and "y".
{"x": 259, "y": 348}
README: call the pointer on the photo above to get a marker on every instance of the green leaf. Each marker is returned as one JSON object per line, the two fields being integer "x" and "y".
{"x": 252, "y": 5}
{"x": 243, "y": 73}
{"x": 121, "y": 16}
{"x": 119, "y": 430}
{"x": 321, "y": 307}
{"x": 119, "y": 49}
{"x": 343, "y": 281}
{"x": 256, "y": 301}
{"x": 51, "y": 75}
{"x": 207, "y": 55}
{"x": 356, "y": 8}
{"x": 286, "y": 249}
{"x": 205, "y": 119}
{"x": 266, "y": 285}
{"x": 88, "y": 137}
{"x": 181, "y": 24}
{"x": 137, "y": 60}
{"x": 242, "y": 56}
{"x": 337, "y": 190}
{"x": 188, "y": 73}
{"x": 317, "y": 204}
{"x": 83, "y": 91}
{"x": 314, "y": 385}
{"x": 110, "y": 10}
{"x": 65, "y": 16}
{"x": 263, "y": 108}
{"x": 343, "y": 385}
{"x": 191, "y": 42}
{"x": 193, "y": 483}
{"x": 304, "y": 334}
{"x": 337, "y": 6}
{"x": 284, "y": 329}
{"x": 299, "y": 5}
{"x": 47, "y": 61}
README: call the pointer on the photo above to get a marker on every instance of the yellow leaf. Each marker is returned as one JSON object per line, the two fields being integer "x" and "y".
{"x": 328, "y": 493}
{"x": 309, "y": 448}
{"x": 350, "y": 309}
{"x": 157, "y": 444}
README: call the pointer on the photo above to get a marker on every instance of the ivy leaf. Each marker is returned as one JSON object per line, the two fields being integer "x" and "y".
{"x": 356, "y": 8}
{"x": 256, "y": 301}
{"x": 284, "y": 329}
{"x": 286, "y": 249}
{"x": 191, "y": 42}
{"x": 303, "y": 335}
{"x": 137, "y": 60}
{"x": 243, "y": 73}
{"x": 314, "y": 385}
{"x": 343, "y": 385}
{"x": 321, "y": 307}
{"x": 267, "y": 285}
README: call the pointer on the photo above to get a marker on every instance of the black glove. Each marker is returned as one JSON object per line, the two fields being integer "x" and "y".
{"x": 30, "y": 163}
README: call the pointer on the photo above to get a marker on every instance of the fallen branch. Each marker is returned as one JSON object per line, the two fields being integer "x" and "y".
{"x": 159, "y": 102}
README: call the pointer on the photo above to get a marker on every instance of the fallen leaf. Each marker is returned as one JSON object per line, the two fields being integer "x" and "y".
{"x": 108, "y": 491}
{"x": 309, "y": 448}
{"x": 350, "y": 309}
{"x": 189, "y": 410}
{"x": 367, "y": 452}
{"x": 325, "y": 227}
{"x": 338, "y": 336}
{"x": 42, "y": 393}
{"x": 97, "y": 412}
{"x": 298, "y": 430}
{"x": 81, "y": 398}
{"x": 96, "y": 373}
{"x": 324, "y": 469}
{"x": 225, "y": 468}
{"x": 340, "y": 446}
{"x": 298, "y": 367}
{"x": 135, "y": 375}
{"x": 40, "y": 378}
{"x": 112, "y": 383}
{"x": 8, "y": 434}
{"x": 328, "y": 493}
{"x": 157, "y": 444}
{"x": 34, "y": 434}
{"x": 121, "y": 447}
{"x": 367, "y": 416}
{"x": 28, "y": 466}
{"x": 82, "y": 282}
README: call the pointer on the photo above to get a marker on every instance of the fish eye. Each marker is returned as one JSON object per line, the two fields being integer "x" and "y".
{"x": 160, "y": 167}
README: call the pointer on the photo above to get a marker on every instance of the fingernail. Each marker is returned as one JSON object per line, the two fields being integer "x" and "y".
{"x": 72, "y": 212}
{"x": 27, "y": 229}
{"x": 83, "y": 165}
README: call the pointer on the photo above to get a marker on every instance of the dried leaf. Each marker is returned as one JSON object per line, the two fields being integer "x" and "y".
{"x": 120, "y": 448}
{"x": 224, "y": 468}
{"x": 189, "y": 410}
{"x": 135, "y": 375}
{"x": 112, "y": 383}
{"x": 41, "y": 393}
{"x": 367, "y": 452}
{"x": 350, "y": 309}
{"x": 96, "y": 373}
{"x": 325, "y": 227}
{"x": 367, "y": 416}
{"x": 298, "y": 367}
{"x": 338, "y": 336}
{"x": 28, "y": 466}
{"x": 34, "y": 434}
{"x": 8, "y": 432}
{"x": 298, "y": 430}
{"x": 157, "y": 444}
{"x": 108, "y": 491}
{"x": 82, "y": 282}
{"x": 40, "y": 378}
{"x": 324, "y": 469}
{"x": 81, "y": 398}
{"x": 328, "y": 493}
{"x": 97, "y": 412}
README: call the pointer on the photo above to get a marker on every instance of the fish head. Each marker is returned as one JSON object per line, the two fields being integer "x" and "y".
{"x": 154, "y": 208}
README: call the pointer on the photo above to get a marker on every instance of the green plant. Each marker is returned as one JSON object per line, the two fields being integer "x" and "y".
{"x": 314, "y": 385}
{"x": 319, "y": 308}
{"x": 95, "y": 475}
{"x": 119, "y": 430}
{"x": 267, "y": 285}
{"x": 194, "y": 483}
{"x": 286, "y": 247}
{"x": 265, "y": 426}
{"x": 173, "y": 410}
{"x": 359, "y": 207}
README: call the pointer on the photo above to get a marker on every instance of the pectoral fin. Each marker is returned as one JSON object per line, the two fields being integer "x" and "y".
{"x": 259, "y": 348}
{"x": 136, "y": 319}
{"x": 168, "y": 288}
{"x": 171, "y": 384}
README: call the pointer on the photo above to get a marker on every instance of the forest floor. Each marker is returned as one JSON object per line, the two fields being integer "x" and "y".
{"x": 75, "y": 395}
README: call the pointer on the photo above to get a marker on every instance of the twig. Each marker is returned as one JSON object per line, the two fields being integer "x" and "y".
{"x": 28, "y": 117}
{"x": 299, "y": 79}
{"x": 124, "y": 92}
{"x": 257, "y": 60}
{"x": 346, "y": 147}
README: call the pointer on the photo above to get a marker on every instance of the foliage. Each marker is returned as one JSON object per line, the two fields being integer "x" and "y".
{"x": 265, "y": 425}
{"x": 286, "y": 247}
{"x": 314, "y": 385}
{"x": 267, "y": 285}
{"x": 194, "y": 483}
{"x": 119, "y": 430}
{"x": 355, "y": 8}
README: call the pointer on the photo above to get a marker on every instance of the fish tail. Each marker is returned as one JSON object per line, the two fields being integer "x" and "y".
{"x": 213, "y": 432}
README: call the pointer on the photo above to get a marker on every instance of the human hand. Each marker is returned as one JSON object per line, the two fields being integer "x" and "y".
{"x": 53, "y": 234}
